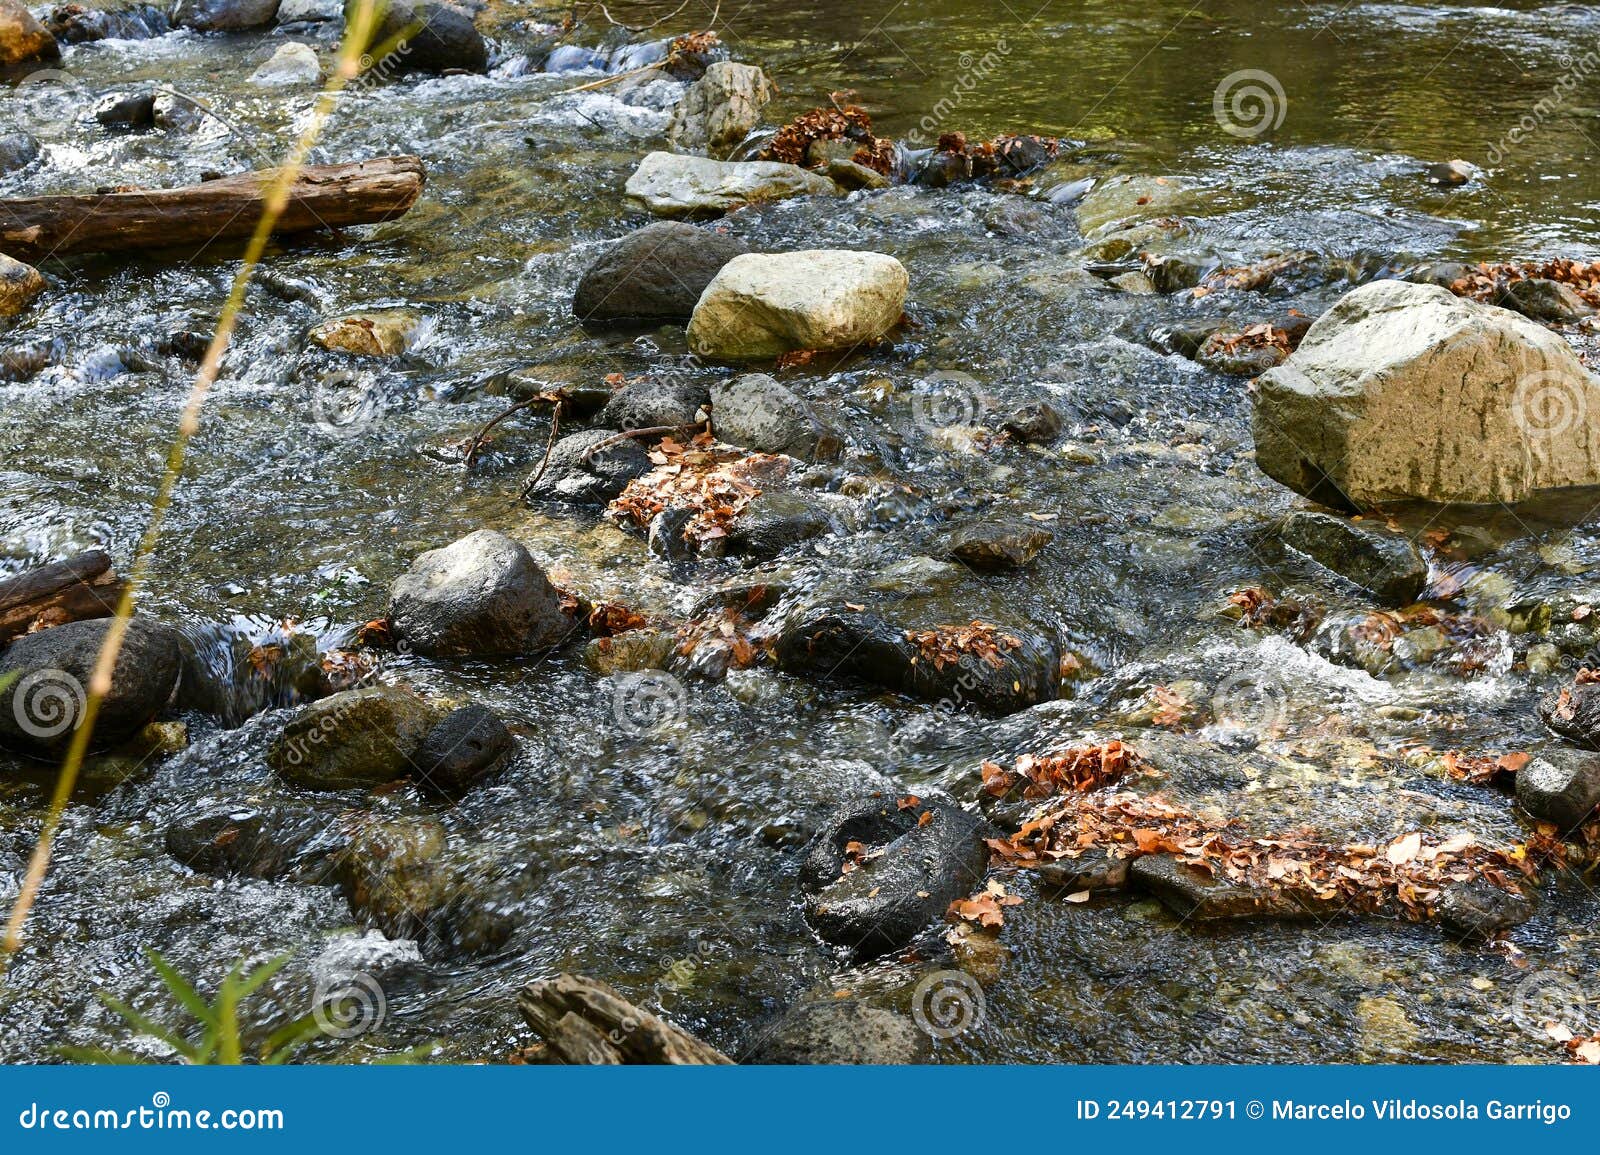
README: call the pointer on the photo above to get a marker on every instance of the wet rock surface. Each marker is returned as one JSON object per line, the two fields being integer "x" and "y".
{"x": 668, "y": 185}
{"x": 590, "y": 468}
{"x": 756, "y": 412}
{"x": 481, "y": 595}
{"x": 655, "y": 273}
{"x": 1562, "y": 786}
{"x": 1382, "y": 561}
{"x": 358, "y": 738}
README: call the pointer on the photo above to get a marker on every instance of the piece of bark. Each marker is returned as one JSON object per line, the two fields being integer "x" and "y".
{"x": 227, "y": 209}
{"x": 65, "y": 591}
{"x": 585, "y": 1021}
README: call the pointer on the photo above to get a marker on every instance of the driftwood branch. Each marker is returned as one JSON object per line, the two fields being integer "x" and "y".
{"x": 66, "y": 591}
{"x": 322, "y": 197}
{"x": 586, "y": 1021}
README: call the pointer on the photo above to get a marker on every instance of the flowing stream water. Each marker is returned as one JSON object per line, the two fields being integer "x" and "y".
{"x": 666, "y": 863}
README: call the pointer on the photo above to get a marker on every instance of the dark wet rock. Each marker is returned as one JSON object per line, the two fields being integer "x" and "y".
{"x": 580, "y": 477}
{"x": 1441, "y": 273}
{"x": 42, "y": 708}
{"x": 357, "y": 738}
{"x": 1380, "y": 560}
{"x": 137, "y": 110}
{"x": 942, "y": 168}
{"x": 17, "y": 151}
{"x": 1015, "y": 217}
{"x": 1477, "y": 910}
{"x": 720, "y": 109}
{"x": 465, "y": 746}
{"x": 666, "y": 535}
{"x": 656, "y": 273}
{"x": 907, "y": 873}
{"x": 774, "y": 521}
{"x": 1448, "y": 172}
{"x": 850, "y": 175}
{"x": 1096, "y": 870}
{"x": 832, "y": 643}
{"x": 1540, "y": 299}
{"x": 573, "y": 58}
{"x": 1561, "y": 786}
{"x": 1184, "y": 340}
{"x": 23, "y": 40}
{"x": 691, "y": 66}
{"x": 1192, "y": 894}
{"x": 1174, "y": 272}
{"x": 996, "y": 544}
{"x": 757, "y": 412}
{"x": 79, "y": 24}
{"x": 1037, "y": 423}
{"x": 274, "y": 842}
{"x": 1574, "y": 713}
{"x": 1242, "y": 359}
{"x": 176, "y": 113}
{"x": 224, "y": 15}
{"x": 428, "y": 37}
{"x": 840, "y": 1031}
{"x": 480, "y": 595}
{"x": 653, "y": 404}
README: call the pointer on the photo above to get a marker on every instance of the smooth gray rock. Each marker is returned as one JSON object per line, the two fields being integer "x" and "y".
{"x": 670, "y": 185}
{"x": 1382, "y": 561}
{"x": 1562, "y": 786}
{"x": 481, "y": 595}
{"x": 654, "y": 274}
{"x": 578, "y": 476}
{"x": 224, "y": 15}
{"x": 357, "y": 738}
{"x": 756, "y": 412}
{"x": 654, "y": 404}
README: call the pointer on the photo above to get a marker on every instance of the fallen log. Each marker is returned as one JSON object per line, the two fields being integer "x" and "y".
{"x": 585, "y": 1021}
{"x": 66, "y": 591}
{"x": 226, "y": 209}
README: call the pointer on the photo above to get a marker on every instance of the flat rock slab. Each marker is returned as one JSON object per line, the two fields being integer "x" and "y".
{"x": 669, "y": 185}
{"x": 1193, "y": 894}
{"x": 1380, "y": 560}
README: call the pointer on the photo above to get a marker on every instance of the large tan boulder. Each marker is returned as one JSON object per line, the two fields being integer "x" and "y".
{"x": 1405, "y": 391}
{"x": 670, "y": 185}
{"x": 719, "y": 110}
{"x": 22, "y": 38}
{"x": 764, "y": 304}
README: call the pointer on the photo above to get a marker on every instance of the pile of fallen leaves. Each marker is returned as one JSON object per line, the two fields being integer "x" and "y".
{"x": 608, "y": 619}
{"x": 1470, "y": 634}
{"x": 793, "y": 141}
{"x": 727, "y": 629}
{"x": 947, "y": 645}
{"x": 1255, "y": 608}
{"x": 1077, "y": 769}
{"x": 1002, "y": 156}
{"x": 983, "y": 909}
{"x": 695, "y": 43}
{"x": 714, "y": 482}
{"x": 1487, "y": 282}
{"x": 1404, "y": 877}
{"x": 1261, "y": 335}
{"x": 1484, "y": 769}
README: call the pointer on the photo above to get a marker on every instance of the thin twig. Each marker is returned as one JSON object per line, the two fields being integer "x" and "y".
{"x": 549, "y": 448}
{"x": 605, "y": 80}
{"x": 628, "y": 434}
{"x": 475, "y": 442}
{"x": 614, "y": 22}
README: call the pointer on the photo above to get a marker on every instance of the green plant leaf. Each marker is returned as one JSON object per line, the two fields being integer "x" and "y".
{"x": 147, "y": 1026}
{"x": 187, "y": 996}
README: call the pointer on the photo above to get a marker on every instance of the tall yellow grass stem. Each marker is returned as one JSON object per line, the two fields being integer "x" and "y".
{"x": 358, "y": 34}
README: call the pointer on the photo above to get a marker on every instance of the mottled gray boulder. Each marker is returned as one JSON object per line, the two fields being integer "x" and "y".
{"x": 590, "y": 468}
{"x": 762, "y": 305}
{"x": 1406, "y": 391}
{"x": 357, "y": 738}
{"x": 224, "y": 15}
{"x": 914, "y": 862}
{"x": 1380, "y": 560}
{"x": 654, "y": 274}
{"x": 480, "y": 595}
{"x": 840, "y": 1031}
{"x": 669, "y": 185}
{"x": 292, "y": 64}
{"x": 756, "y": 412}
{"x": 654, "y": 404}
{"x": 428, "y": 37}
{"x": 1479, "y": 910}
{"x": 828, "y": 643}
{"x": 998, "y": 543}
{"x": 17, "y": 150}
{"x": 776, "y": 520}
{"x": 1574, "y": 713}
{"x": 719, "y": 110}
{"x": 43, "y": 706}
{"x": 1561, "y": 786}
{"x": 1544, "y": 300}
